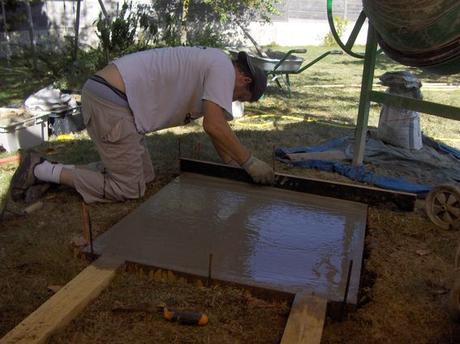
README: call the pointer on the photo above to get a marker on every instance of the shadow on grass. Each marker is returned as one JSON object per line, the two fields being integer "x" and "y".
{"x": 327, "y": 102}
{"x": 17, "y": 83}
{"x": 166, "y": 147}
{"x": 385, "y": 64}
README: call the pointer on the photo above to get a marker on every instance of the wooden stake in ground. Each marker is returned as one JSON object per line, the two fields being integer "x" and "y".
{"x": 87, "y": 230}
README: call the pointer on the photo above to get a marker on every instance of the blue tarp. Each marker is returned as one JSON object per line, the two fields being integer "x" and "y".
{"x": 392, "y": 167}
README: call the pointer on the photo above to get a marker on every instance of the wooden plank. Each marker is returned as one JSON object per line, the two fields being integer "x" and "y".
{"x": 306, "y": 320}
{"x": 66, "y": 304}
{"x": 440, "y": 110}
{"x": 358, "y": 193}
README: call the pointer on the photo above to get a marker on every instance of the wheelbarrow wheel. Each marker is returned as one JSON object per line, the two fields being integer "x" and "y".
{"x": 442, "y": 206}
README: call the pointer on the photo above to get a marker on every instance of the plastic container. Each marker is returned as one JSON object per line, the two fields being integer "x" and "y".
{"x": 24, "y": 134}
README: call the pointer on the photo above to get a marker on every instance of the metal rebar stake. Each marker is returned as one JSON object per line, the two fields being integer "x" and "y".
{"x": 209, "y": 270}
{"x": 347, "y": 286}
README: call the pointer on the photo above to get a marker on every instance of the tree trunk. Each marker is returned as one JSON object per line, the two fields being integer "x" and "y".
{"x": 31, "y": 34}
{"x": 183, "y": 28}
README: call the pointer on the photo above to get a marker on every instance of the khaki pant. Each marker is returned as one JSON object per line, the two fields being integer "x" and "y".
{"x": 123, "y": 152}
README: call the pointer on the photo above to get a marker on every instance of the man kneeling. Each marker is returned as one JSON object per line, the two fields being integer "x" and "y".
{"x": 145, "y": 92}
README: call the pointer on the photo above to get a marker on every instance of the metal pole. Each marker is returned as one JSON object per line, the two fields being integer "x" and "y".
{"x": 253, "y": 41}
{"x": 364, "y": 99}
{"x": 347, "y": 287}
{"x": 7, "y": 36}
{"x": 77, "y": 29}
{"x": 104, "y": 11}
{"x": 209, "y": 270}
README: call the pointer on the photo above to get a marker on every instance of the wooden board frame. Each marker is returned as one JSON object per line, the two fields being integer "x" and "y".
{"x": 308, "y": 312}
{"x": 365, "y": 194}
{"x": 304, "y": 325}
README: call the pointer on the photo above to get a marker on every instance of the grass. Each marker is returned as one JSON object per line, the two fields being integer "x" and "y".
{"x": 18, "y": 81}
{"x": 35, "y": 250}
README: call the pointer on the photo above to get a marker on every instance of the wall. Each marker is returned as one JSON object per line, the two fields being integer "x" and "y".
{"x": 299, "y": 22}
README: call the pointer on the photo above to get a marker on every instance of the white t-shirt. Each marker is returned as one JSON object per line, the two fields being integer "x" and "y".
{"x": 166, "y": 86}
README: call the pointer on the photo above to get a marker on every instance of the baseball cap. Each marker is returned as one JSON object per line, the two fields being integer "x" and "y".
{"x": 259, "y": 79}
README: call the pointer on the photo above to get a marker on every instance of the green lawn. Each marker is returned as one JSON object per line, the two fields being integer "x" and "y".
{"x": 329, "y": 91}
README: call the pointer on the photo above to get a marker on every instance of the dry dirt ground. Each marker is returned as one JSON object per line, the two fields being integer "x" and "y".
{"x": 408, "y": 271}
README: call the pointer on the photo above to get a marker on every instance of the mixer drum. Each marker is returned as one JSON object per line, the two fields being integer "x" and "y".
{"x": 418, "y": 33}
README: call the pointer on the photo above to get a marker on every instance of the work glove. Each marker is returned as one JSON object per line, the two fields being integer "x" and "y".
{"x": 259, "y": 171}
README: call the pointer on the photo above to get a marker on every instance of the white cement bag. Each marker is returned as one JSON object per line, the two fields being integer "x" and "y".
{"x": 49, "y": 99}
{"x": 400, "y": 127}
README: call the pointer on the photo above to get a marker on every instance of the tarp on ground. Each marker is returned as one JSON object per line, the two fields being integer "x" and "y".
{"x": 384, "y": 165}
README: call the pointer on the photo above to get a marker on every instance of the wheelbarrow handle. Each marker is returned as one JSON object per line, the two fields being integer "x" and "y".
{"x": 289, "y": 53}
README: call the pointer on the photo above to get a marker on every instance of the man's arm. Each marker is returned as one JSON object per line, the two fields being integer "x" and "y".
{"x": 224, "y": 156}
{"x": 229, "y": 147}
{"x": 223, "y": 137}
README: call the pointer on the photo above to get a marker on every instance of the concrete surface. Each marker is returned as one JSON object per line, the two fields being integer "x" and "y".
{"x": 258, "y": 236}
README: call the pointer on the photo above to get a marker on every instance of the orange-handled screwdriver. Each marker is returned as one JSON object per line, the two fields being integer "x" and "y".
{"x": 185, "y": 318}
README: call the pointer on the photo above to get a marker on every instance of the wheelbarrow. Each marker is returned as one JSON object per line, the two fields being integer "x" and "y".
{"x": 278, "y": 66}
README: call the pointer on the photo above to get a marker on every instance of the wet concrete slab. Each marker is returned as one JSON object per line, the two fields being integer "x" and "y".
{"x": 258, "y": 236}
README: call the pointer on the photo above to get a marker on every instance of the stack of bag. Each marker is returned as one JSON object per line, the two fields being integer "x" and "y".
{"x": 50, "y": 99}
{"x": 397, "y": 126}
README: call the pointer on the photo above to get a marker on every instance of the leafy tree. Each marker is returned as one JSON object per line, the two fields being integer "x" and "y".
{"x": 205, "y": 22}
{"x": 340, "y": 26}
{"x": 178, "y": 22}
{"x": 117, "y": 35}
